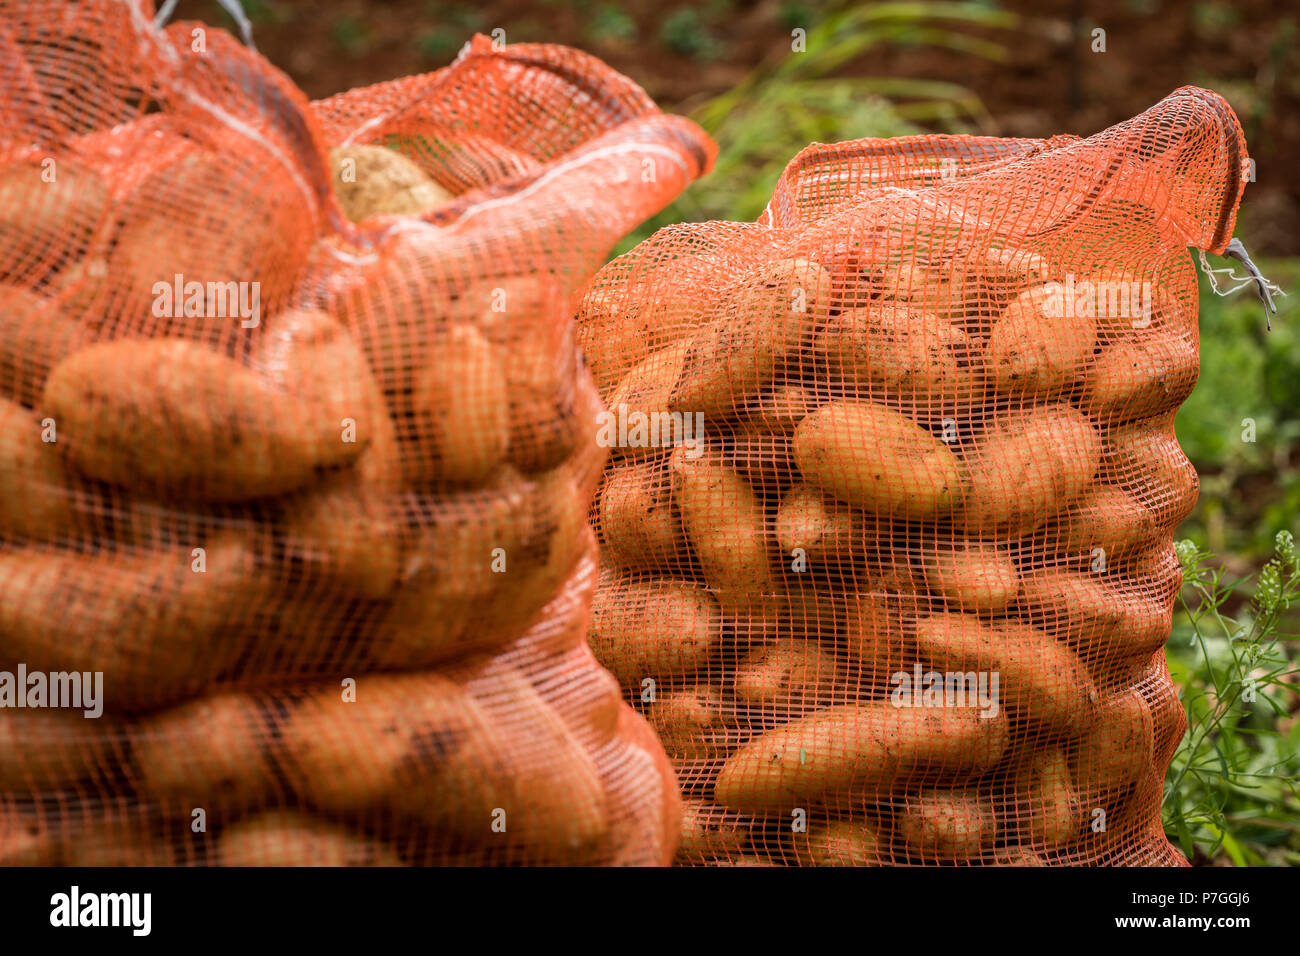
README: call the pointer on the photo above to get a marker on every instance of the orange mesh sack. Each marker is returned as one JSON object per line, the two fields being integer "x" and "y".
{"x": 887, "y": 529}
{"x": 294, "y": 498}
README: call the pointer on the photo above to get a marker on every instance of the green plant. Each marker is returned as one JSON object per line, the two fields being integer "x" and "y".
{"x": 1234, "y": 783}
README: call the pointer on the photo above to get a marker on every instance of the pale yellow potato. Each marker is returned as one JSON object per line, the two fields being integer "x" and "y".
{"x": 1026, "y": 467}
{"x": 638, "y": 526}
{"x": 377, "y": 181}
{"x": 652, "y": 627}
{"x": 1146, "y": 460}
{"x": 1039, "y": 679}
{"x": 290, "y": 838}
{"x": 173, "y": 416}
{"x": 874, "y": 458}
{"x": 726, "y": 525}
{"x": 1104, "y": 517}
{"x": 973, "y": 575}
{"x": 782, "y": 407}
{"x": 1039, "y": 346}
{"x": 947, "y": 824}
{"x": 873, "y": 745}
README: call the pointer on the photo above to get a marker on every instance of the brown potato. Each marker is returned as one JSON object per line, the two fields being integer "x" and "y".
{"x": 48, "y": 750}
{"x": 973, "y": 575}
{"x": 652, "y": 628}
{"x": 638, "y": 525}
{"x": 1028, "y": 465}
{"x": 1039, "y": 679}
{"x": 874, "y": 458}
{"x": 1042, "y": 805}
{"x": 176, "y": 417}
{"x": 947, "y": 824}
{"x": 1040, "y": 345}
{"x": 691, "y": 721}
{"x": 819, "y": 526}
{"x": 794, "y": 673}
{"x": 35, "y": 335}
{"x": 289, "y": 838}
{"x": 841, "y": 843}
{"x": 41, "y": 499}
{"x": 1142, "y": 376}
{"x": 857, "y": 745}
{"x": 44, "y": 221}
{"x": 709, "y": 832}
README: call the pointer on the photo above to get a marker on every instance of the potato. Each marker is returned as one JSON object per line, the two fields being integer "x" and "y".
{"x": 158, "y": 630}
{"x": 1106, "y": 621}
{"x": 746, "y": 859}
{"x": 1042, "y": 806}
{"x": 181, "y": 220}
{"x": 767, "y": 314}
{"x": 841, "y": 843}
{"x": 1017, "y": 856}
{"x": 289, "y": 838}
{"x": 113, "y": 840}
{"x": 48, "y": 750}
{"x": 345, "y": 529}
{"x": 1009, "y": 266}
{"x": 213, "y": 753}
{"x": 25, "y": 841}
{"x": 1026, "y": 467}
{"x": 1039, "y": 679}
{"x": 708, "y": 832}
{"x": 480, "y": 565}
{"x": 1118, "y": 750}
{"x": 652, "y": 628}
{"x": 462, "y": 407}
{"x": 451, "y": 755}
{"x": 377, "y": 181}
{"x": 795, "y": 673}
{"x": 1040, "y": 346}
{"x": 973, "y": 575}
{"x": 820, "y": 526}
{"x": 41, "y": 499}
{"x": 867, "y": 746}
{"x": 638, "y": 526}
{"x": 902, "y": 355}
{"x": 173, "y": 416}
{"x": 781, "y": 408}
{"x": 726, "y": 525}
{"x": 35, "y": 335}
{"x": 641, "y": 400}
{"x": 1142, "y": 376}
{"x": 947, "y": 824}
{"x": 1146, "y": 461}
{"x": 874, "y": 458}
{"x": 691, "y": 721}
{"x": 44, "y": 222}
{"x": 1105, "y": 517}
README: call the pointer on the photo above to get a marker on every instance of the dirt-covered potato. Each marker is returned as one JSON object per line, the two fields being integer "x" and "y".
{"x": 377, "y": 181}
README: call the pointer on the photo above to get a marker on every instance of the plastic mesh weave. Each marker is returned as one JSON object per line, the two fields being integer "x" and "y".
{"x": 308, "y": 494}
{"x": 887, "y": 529}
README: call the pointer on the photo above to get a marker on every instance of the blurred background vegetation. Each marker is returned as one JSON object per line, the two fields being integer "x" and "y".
{"x": 1001, "y": 67}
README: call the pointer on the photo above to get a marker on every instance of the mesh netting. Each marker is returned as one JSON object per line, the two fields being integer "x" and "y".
{"x": 887, "y": 529}
{"x": 295, "y": 482}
